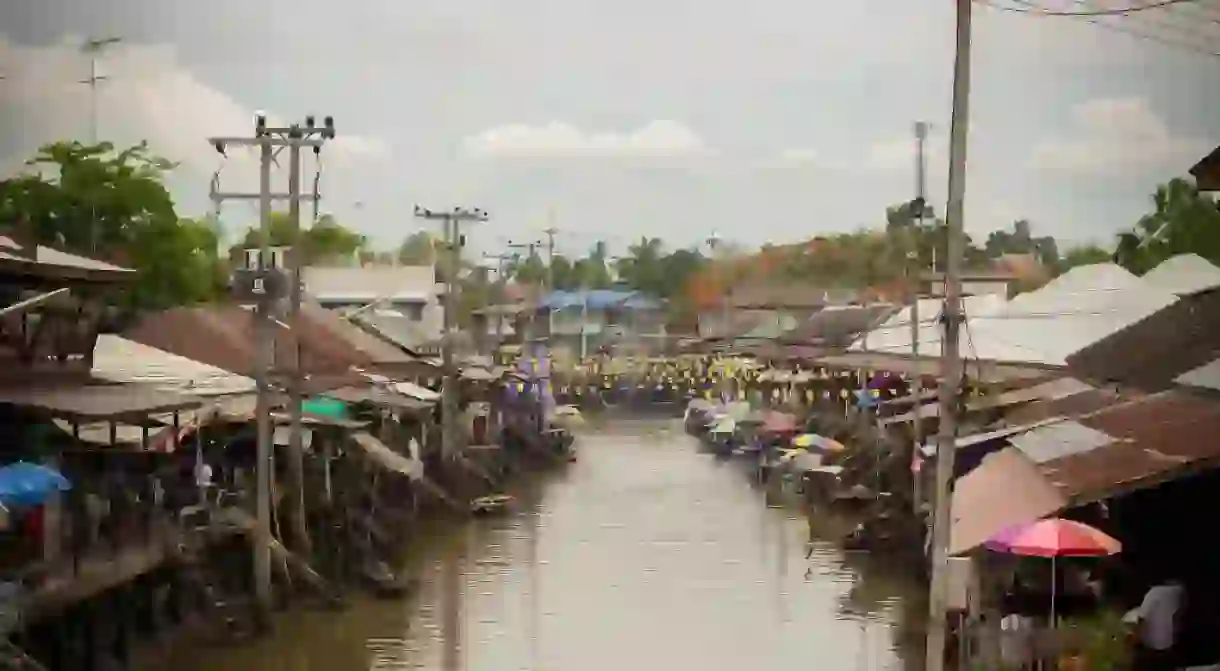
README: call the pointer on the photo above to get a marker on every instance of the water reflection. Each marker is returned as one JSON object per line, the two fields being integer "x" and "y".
{"x": 646, "y": 554}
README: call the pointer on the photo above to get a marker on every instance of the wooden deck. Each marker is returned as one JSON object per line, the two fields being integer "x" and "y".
{"x": 65, "y": 583}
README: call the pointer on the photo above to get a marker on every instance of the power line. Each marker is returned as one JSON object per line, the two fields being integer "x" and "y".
{"x": 1174, "y": 35}
{"x": 1120, "y": 11}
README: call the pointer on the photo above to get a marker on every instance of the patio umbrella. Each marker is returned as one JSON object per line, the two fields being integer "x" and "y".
{"x": 26, "y": 484}
{"x": 1054, "y": 537}
{"x": 779, "y": 422}
{"x": 724, "y": 425}
{"x": 818, "y": 442}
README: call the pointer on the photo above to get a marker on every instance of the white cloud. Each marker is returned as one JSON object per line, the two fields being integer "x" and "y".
{"x": 657, "y": 138}
{"x": 1117, "y": 136}
{"x": 146, "y": 95}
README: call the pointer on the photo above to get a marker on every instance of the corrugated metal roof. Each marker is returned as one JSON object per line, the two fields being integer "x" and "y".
{"x": 1058, "y": 440}
{"x": 1047, "y": 326}
{"x": 838, "y": 326}
{"x": 1184, "y": 274}
{"x": 100, "y": 402}
{"x": 117, "y": 359}
{"x": 1153, "y": 352}
{"x": 1206, "y": 376}
{"x": 223, "y": 336}
{"x": 929, "y": 448}
{"x": 370, "y": 283}
{"x": 48, "y": 262}
{"x": 1154, "y": 438}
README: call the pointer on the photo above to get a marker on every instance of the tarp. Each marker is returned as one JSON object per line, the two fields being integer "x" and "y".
{"x": 1006, "y": 490}
{"x": 325, "y": 407}
{"x": 26, "y": 484}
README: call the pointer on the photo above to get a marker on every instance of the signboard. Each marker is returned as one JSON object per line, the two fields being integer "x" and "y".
{"x": 253, "y": 285}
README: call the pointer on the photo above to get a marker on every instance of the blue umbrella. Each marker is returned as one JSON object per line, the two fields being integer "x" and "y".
{"x": 26, "y": 484}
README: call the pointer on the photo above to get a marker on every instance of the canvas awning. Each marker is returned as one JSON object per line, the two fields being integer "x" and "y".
{"x": 1007, "y": 489}
{"x": 384, "y": 456}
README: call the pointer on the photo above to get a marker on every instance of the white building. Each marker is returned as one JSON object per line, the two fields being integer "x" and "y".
{"x": 407, "y": 299}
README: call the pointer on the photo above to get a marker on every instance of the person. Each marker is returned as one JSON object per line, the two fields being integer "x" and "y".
{"x": 1158, "y": 623}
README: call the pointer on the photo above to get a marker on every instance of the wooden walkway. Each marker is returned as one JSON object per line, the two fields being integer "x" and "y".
{"x": 66, "y": 582}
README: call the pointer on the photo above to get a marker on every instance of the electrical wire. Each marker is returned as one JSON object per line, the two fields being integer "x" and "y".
{"x": 1121, "y": 11}
{"x": 1184, "y": 35}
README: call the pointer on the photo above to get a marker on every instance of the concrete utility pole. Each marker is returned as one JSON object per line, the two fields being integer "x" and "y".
{"x": 531, "y": 249}
{"x": 550, "y": 232}
{"x": 951, "y": 367}
{"x": 296, "y": 444}
{"x": 501, "y": 296}
{"x": 94, "y": 48}
{"x": 713, "y": 243}
{"x": 266, "y": 285}
{"x": 914, "y": 271}
{"x": 452, "y": 221}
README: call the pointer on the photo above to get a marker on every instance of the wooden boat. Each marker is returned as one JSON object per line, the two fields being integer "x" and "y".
{"x": 494, "y": 503}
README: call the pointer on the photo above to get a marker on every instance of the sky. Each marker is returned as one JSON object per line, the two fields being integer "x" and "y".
{"x": 767, "y": 121}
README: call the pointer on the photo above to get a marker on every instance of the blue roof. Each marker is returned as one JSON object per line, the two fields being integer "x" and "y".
{"x": 598, "y": 299}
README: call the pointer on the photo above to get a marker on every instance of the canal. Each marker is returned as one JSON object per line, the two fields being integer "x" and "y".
{"x": 647, "y": 554}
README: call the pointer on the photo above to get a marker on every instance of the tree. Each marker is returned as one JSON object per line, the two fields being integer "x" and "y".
{"x": 326, "y": 242}
{"x": 529, "y": 269}
{"x": 641, "y": 268}
{"x": 1021, "y": 241}
{"x": 96, "y": 201}
{"x": 1183, "y": 221}
{"x": 1084, "y": 255}
{"x": 419, "y": 249}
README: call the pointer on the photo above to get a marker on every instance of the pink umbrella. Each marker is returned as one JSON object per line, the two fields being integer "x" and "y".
{"x": 1054, "y": 537}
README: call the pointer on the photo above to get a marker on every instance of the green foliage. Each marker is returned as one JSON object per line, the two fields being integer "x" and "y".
{"x": 1084, "y": 256}
{"x": 96, "y": 201}
{"x": 1183, "y": 220}
{"x": 1021, "y": 241}
{"x": 419, "y": 249}
{"x": 326, "y": 242}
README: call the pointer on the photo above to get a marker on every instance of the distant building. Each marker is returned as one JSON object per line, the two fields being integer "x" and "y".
{"x": 994, "y": 282}
{"x": 401, "y": 302}
{"x": 780, "y": 304}
{"x": 623, "y": 320}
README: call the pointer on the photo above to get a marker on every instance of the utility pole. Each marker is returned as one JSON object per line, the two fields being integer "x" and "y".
{"x": 951, "y": 367}
{"x": 550, "y": 232}
{"x": 531, "y": 249}
{"x": 713, "y": 243}
{"x": 266, "y": 285}
{"x": 452, "y": 221}
{"x": 296, "y": 445}
{"x": 501, "y": 297}
{"x": 914, "y": 271}
{"x": 94, "y": 49}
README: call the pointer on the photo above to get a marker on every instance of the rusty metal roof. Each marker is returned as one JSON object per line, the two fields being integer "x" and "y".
{"x": 39, "y": 261}
{"x": 837, "y": 326}
{"x": 223, "y": 336}
{"x": 100, "y": 402}
{"x": 1156, "y": 438}
{"x": 1154, "y": 351}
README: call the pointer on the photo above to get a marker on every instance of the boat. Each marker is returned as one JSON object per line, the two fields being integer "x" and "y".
{"x": 383, "y": 581}
{"x": 494, "y": 503}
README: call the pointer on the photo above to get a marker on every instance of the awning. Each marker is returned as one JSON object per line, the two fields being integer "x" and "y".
{"x": 382, "y": 397}
{"x": 383, "y": 455}
{"x": 100, "y": 402}
{"x": 1005, "y": 490}
{"x": 417, "y": 392}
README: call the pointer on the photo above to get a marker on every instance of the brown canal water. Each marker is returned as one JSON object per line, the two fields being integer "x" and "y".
{"x": 647, "y": 554}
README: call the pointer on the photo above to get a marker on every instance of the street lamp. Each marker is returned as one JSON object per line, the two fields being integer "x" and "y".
{"x": 713, "y": 244}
